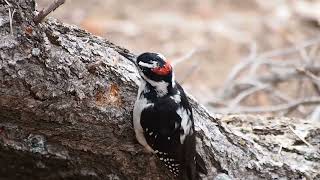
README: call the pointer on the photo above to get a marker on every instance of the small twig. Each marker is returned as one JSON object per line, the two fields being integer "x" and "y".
{"x": 266, "y": 72}
{"x": 185, "y": 57}
{"x": 277, "y": 63}
{"x": 279, "y": 76}
{"x": 235, "y": 102}
{"x": 276, "y": 77}
{"x": 284, "y": 97}
{"x": 274, "y": 108}
{"x": 10, "y": 16}
{"x": 263, "y": 57}
{"x": 279, "y": 94}
{"x": 309, "y": 74}
{"x": 314, "y": 79}
{"x": 43, "y": 13}
{"x": 301, "y": 138}
{"x": 10, "y": 22}
{"x": 194, "y": 68}
{"x": 8, "y": 3}
{"x": 280, "y": 149}
{"x": 238, "y": 68}
{"x": 264, "y": 87}
{"x": 281, "y": 107}
{"x": 290, "y": 50}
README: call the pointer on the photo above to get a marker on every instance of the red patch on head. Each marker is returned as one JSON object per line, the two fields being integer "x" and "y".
{"x": 166, "y": 69}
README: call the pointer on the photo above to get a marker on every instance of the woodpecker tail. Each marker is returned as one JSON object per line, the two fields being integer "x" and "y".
{"x": 201, "y": 165}
{"x": 192, "y": 164}
{"x": 192, "y": 171}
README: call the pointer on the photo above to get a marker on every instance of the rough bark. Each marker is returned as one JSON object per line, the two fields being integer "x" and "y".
{"x": 66, "y": 99}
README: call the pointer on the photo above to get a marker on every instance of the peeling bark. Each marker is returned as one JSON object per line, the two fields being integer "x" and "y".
{"x": 66, "y": 99}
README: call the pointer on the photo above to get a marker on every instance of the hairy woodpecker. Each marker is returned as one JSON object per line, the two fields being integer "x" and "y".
{"x": 163, "y": 120}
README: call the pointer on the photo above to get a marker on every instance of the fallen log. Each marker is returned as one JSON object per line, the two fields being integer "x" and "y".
{"x": 66, "y": 98}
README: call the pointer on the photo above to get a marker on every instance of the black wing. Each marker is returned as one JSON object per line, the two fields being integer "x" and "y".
{"x": 195, "y": 165}
{"x": 162, "y": 130}
{"x": 161, "y": 126}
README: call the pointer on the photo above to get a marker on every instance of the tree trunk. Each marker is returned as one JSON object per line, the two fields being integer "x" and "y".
{"x": 66, "y": 98}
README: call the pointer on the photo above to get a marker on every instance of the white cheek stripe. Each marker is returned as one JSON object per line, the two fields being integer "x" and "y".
{"x": 140, "y": 105}
{"x": 147, "y": 65}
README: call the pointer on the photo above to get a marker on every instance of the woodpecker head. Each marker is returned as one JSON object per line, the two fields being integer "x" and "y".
{"x": 153, "y": 66}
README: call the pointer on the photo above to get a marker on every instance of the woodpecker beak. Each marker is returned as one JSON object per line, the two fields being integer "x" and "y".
{"x": 164, "y": 70}
{"x": 131, "y": 57}
{"x": 134, "y": 61}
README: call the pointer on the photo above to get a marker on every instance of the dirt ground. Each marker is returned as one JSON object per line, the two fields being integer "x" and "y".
{"x": 220, "y": 32}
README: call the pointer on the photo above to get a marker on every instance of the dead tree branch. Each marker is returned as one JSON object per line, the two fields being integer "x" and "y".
{"x": 44, "y": 13}
{"x": 185, "y": 57}
{"x": 287, "y": 107}
{"x": 265, "y": 72}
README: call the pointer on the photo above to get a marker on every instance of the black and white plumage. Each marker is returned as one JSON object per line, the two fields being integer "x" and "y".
{"x": 163, "y": 120}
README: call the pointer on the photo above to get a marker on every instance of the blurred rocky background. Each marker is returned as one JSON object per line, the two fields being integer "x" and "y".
{"x": 209, "y": 40}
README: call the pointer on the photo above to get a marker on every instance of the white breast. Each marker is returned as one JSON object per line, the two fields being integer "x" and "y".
{"x": 140, "y": 104}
